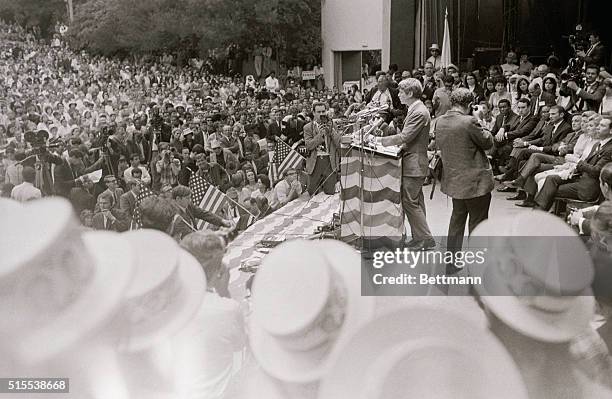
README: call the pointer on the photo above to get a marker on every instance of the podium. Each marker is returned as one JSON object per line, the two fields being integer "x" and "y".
{"x": 371, "y": 181}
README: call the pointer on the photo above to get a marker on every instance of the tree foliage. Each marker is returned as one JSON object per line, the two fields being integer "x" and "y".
{"x": 292, "y": 27}
{"x": 28, "y": 13}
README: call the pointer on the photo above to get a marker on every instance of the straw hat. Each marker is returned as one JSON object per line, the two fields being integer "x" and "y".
{"x": 434, "y": 47}
{"x": 536, "y": 277}
{"x": 166, "y": 291}
{"x": 306, "y": 303}
{"x": 420, "y": 352}
{"x": 57, "y": 284}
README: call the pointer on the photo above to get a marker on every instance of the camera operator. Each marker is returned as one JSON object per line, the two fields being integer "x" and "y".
{"x": 596, "y": 53}
{"x": 168, "y": 168}
{"x": 587, "y": 98}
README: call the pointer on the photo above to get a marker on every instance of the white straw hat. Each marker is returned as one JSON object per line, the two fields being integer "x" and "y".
{"x": 536, "y": 277}
{"x": 167, "y": 290}
{"x": 421, "y": 352}
{"x": 306, "y": 302}
{"x": 57, "y": 284}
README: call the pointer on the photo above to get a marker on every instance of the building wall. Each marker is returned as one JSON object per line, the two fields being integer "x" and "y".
{"x": 351, "y": 25}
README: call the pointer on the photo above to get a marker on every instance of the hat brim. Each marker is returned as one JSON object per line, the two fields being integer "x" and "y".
{"x": 193, "y": 285}
{"x": 345, "y": 380}
{"x": 529, "y": 321}
{"x": 309, "y": 366}
{"x": 112, "y": 260}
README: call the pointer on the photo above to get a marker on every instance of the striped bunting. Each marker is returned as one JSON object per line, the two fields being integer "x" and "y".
{"x": 382, "y": 210}
{"x": 294, "y": 220}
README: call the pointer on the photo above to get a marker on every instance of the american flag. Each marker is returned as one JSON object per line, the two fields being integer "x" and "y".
{"x": 145, "y": 192}
{"x": 208, "y": 197}
{"x": 284, "y": 158}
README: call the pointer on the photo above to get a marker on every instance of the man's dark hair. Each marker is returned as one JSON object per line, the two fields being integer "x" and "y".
{"x": 505, "y": 101}
{"x": 448, "y": 79}
{"x": 592, "y": 66}
{"x": 523, "y": 100}
{"x": 157, "y": 213}
{"x": 180, "y": 192}
{"x": 558, "y": 108}
{"x": 134, "y": 155}
{"x": 136, "y": 171}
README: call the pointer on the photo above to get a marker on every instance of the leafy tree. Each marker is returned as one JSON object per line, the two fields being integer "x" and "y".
{"x": 292, "y": 27}
{"x": 28, "y": 13}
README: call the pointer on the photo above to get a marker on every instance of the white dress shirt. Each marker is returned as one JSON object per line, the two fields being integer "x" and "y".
{"x": 25, "y": 192}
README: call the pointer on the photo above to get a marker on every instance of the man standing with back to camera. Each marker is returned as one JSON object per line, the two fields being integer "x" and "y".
{"x": 467, "y": 176}
{"x": 414, "y": 139}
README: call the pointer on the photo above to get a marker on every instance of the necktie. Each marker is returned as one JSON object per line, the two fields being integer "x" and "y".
{"x": 594, "y": 151}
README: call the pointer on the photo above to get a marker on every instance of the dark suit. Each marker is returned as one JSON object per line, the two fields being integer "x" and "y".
{"x": 274, "y": 129}
{"x": 550, "y": 137}
{"x": 65, "y": 175}
{"x": 467, "y": 176}
{"x": 142, "y": 148}
{"x": 414, "y": 139}
{"x": 322, "y": 169}
{"x": 513, "y": 128}
{"x": 584, "y": 187}
{"x": 118, "y": 225}
{"x": 589, "y": 98}
{"x": 127, "y": 203}
{"x": 596, "y": 55}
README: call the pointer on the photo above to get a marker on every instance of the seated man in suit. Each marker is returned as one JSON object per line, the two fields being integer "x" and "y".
{"x": 585, "y": 185}
{"x": 582, "y": 218}
{"x": 510, "y": 126}
{"x": 108, "y": 217}
{"x": 540, "y": 162}
{"x": 554, "y": 133}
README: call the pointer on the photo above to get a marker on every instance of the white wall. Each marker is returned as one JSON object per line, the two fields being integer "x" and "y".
{"x": 351, "y": 25}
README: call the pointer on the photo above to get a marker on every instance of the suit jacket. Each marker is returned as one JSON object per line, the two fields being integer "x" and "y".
{"x": 274, "y": 129}
{"x": 569, "y": 141}
{"x": 589, "y": 170}
{"x": 548, "y": 138}
{"x": 522, "y": 128}
{"x": 127, "y": 203}
{"x": 315, "y": 137}
{"x": 592, "y": 96}
{"x": 185, "y": 220}
{"x": 414, "y": 139}
{"x": 596, "y": 55}
{"x": 556, "y": 137}
{"x": 65, "y": 175}
{"x": 119, "y": 225}
{"x": 466, "y": 171}
{"x": 537, "y": 131}
{"x": 133, "y": 148}
{"x": 117, "y": 194}
{"x": 511, "y": 120}
{"x": 545, "y": 98}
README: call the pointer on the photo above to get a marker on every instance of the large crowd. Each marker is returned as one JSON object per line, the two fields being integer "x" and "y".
{"x": 102, "y": 132}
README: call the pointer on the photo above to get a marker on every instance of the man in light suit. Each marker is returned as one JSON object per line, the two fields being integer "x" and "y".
{"x": 467, "y": 176}
{"x": 323, "y": 142}
{"x": 414, "y": 139}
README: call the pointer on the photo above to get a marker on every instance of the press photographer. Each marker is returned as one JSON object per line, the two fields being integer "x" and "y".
{"x": 587, "y": 96}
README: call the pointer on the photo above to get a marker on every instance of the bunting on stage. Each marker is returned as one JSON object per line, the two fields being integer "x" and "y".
{"x": 382, "y": 208}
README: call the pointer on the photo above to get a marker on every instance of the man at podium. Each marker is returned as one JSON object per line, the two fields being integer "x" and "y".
{"x": 414, "y": 138}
